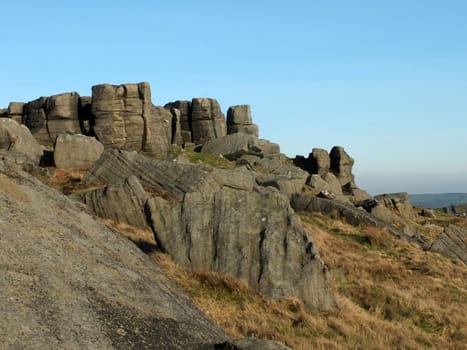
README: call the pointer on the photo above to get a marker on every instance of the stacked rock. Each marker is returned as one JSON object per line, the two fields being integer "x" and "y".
{"x": 183, "y": 110}
{"x": 239, "y": 120}
{"x": 15, "y": 111}
{"x": 207, "y": 120}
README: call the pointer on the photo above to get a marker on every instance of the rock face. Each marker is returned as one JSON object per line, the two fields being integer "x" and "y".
{"x": 120, "y": 202}
{"x": 18, "y": 138}
{"x": 239, "y": 120}
{"x": 219, "y": 220}
{"x": 76, "y": 151}
{"x": 47, "y": 117}
{"x": 184, "y": 108}
{"x": 207, "y": 120}
{"x": 452, "y": 242}
{"x": 341, "y": 165}
{"x": 398, "y": 203}
{"x": 71, "y": 283}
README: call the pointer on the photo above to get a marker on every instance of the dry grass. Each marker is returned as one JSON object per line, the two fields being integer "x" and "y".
{"x": 68, "y": 181}
{"x": 143, "y": 237}
{"x": 390, "y": 295}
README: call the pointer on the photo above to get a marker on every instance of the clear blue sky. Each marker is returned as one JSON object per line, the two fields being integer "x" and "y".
{"x": 385, "y": 79}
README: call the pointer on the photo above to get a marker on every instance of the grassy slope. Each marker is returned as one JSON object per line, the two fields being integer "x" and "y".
{"x": 390, "y": 294}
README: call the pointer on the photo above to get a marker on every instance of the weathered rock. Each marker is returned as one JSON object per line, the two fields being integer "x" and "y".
{"x": 239, "y": 115}
{"x": 125, "y": 118}
{"x": 246, "y": 129}
{"x": 254, "y": 236}
{"x": 166, "y": 178}
{"x": 281, "y": 174}
{"x": 86, "y": 121}
{"x": 15, "y": 111}
{"x": 47, "y": 117}
{"x": 120, "y": 202}
{"x": 398, "y": 203}
{"x": 341, "y": 165}
{"x": 210, "y": 219}
{"x": 76, "y": 151}
{"x": 69, "y": 282}
{"x": 428, "y": 213}
{"x": 177, "y": 137}
{"x": 267, "y": 148}
{"x": 207, "y": 120}
{"x": 357, "y": 194}
{"x": 18, "y": 138}
{"x": 318, "y": 184}
{"x": 334, "y": 183}
{"x": 185, "y": 117}
{"x": 35, "y": 118}
{"x": 319, "y": 161}
{"x": 232, "y": 146}
{"x": 452, "y": 242}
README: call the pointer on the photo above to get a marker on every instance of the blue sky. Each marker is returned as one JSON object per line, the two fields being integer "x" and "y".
{"x": 385, "y": 79}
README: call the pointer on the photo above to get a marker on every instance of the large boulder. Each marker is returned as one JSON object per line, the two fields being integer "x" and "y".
{"x": 398, "y": 203}
{"x": 232, "y": 146}
{"x": 119, "y": 202}
{"x": 222, "y": 221}
{"x": 69, "y": 282}
{"x": 207, "y": 120}
{"x": 341, "y": 165}
{"x": 18, "y": 138}
{"x": 319, "y": 161}
{"x": 15, "y": 111}
{"x": 76, "y": 151}
{"x": 239, "y": 120}
{"x": 185, "y": 118}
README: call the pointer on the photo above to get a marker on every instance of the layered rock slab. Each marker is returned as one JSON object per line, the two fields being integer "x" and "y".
{"x": 68, "y": 282}
{"x": 219, "y": 220}
{"x": 452, "y": 242}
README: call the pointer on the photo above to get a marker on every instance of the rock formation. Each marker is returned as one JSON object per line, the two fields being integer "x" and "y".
{"x": 76, "y": 151}
{"x": 221, "y": 220}
{"x": 397, "y": 202}
{"x": 68, "y": 282}
{"x": 18, "y": 138}
{"x": 239, "y": 120}
{"x": 452, "y": 242}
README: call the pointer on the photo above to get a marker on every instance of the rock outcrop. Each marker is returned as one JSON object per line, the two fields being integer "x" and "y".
{"x": 222, "y": 221}
{"x": 47, "y": 117}
{"x": 68, "y": 282}
{"x": 207, "y": 120}
{"x": 76, "y": 151}
{"x": 452, "y": 242}
{"x": 18, "y": 138}
{"x": 239, "y": 120}
{"x": 398, "y": 203}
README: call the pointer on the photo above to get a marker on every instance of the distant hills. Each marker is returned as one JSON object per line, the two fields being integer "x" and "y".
{"x": 438, "y": 200}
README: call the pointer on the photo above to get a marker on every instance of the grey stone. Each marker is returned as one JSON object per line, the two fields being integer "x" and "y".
{"x": 18, "y": 138}
{"x": 177, "y": 137}
{"x": 68, "y": 282}
{"x": 120, "y": 202}
{"x": 398, "y": 203}
{"x": 428, "y": 213}
{"x": 254, "y": 236}
{"x": 267, "y": 148}
{"x": 207, "y": 120}
{"x": 165, "y": 177}
{"x": 185, "y": 115}
{"x": 125, "y": 118}
{"x": 318, "y": 184}
{"x": 239, "y": 115}
{"x": 334, "y": 184}
{"x": 452, "y": 242}
{"x": 232, "y": 146}
{"x": 319, "y": 161}
{"x": 35, "y": 118}
{"x": 15, "y": 108}
{"x": 251, "y": 129}
{"x": 76, "y": 151}
{"x": 341, "y": 165}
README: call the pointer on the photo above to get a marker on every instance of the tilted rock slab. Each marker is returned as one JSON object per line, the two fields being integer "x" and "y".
{"x": 397, "y": 202}
{"x": 452, "y": 242}
{"x": 68, "y": 282}
{"x": 206, "y": 220}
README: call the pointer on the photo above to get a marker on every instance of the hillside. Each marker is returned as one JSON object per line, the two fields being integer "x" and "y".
{"x": 438, "y": 200}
